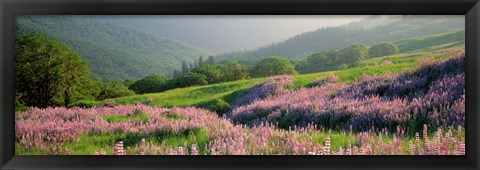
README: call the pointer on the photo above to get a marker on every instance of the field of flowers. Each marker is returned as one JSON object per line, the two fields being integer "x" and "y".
{"x": 434, "y": 94}
{"x": 416, "y": 112}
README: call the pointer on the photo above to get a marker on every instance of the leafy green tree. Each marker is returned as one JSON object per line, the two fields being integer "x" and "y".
{"x": 128, "y": 82}
{"x": 383, "y": 49}
{"x": 46, "y": 69}
{"x": 150, "y": 84}
{"x": 353, "y": 54}
{"x": 114, "y": 90}
{"x": 319, "y": 61}
{"x": 249, "y": 62}
{"x": 273, "y": 66}
{"x": 302, "y": 66}
{"x": 189, "y": 79}
{"x": 235, "y": 71}
{"x": 212, "y": 72}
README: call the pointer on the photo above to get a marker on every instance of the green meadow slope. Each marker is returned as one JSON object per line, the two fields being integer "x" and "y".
{"x": 417, "y": 43}
{"x": 199, "y": 95}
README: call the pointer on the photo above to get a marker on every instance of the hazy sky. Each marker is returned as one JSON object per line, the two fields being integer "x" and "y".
{"x": 227, "y": 33}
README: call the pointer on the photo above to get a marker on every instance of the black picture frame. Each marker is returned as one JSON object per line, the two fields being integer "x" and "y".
{"x": 11, "y": 8}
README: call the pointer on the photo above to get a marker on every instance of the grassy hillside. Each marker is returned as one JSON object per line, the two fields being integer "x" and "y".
{"x": 337, "y": 37}
{"x": 191, "y": 95}
{"x": 113, "y": 52}
{"x": 199, "y": 95}
{"x": 429, "y": 40}
{"x": 418, "y": 44}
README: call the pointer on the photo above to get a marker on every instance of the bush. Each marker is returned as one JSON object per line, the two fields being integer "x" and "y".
{"x": 21, "y": 108}
{"x": 219, "y": 106}
{"x": 383, "y": 49}
{"x": 343, "y": 67}
{"x": 113, "y": 90}
{"x": 150, "y": 84}
{"x": 189, "y": 79}
{"x": 84, "y": 104}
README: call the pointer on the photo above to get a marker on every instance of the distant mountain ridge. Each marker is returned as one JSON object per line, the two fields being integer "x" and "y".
{"x": 113, "y": 52}
{"x": 367, "y": 31}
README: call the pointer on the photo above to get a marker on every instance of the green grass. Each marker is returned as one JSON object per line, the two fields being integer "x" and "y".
{"x": 198, "y": 136}
{"x": 137, "y": 115}
{"x": 338, "y": 139}
{"x": 190, "y": 96}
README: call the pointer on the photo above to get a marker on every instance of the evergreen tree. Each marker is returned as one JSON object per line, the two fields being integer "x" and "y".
{"x": 184, "y": 67}
{"x": 211, "y": 60}
{"x": 195, "y": 64}
{"x": 200, "y": 61}
{"x": 176, "y": 73}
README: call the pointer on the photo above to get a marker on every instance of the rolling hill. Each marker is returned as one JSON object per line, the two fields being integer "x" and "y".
{"x": 113, "y": 52}
{"x": 229, "y": 91}
{"x": 416, "y": 43}
{"x": 454, "y": 38}
{"x": 367, "y": 31}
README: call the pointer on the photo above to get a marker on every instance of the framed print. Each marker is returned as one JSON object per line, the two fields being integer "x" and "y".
{"x": 228, "y": 85}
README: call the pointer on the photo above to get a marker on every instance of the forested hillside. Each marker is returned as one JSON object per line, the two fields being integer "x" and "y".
{"x": 113, "y": 52}
{"x": 367, "y": 31}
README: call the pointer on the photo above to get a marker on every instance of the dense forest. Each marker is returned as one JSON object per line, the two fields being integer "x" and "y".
{"x": 112, "y": 51}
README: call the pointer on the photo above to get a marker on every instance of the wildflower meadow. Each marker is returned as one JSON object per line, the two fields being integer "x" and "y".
{"x": 418, "y": 111}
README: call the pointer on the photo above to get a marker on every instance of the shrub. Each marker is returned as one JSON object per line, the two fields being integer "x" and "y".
{"x": 109, "y": 104}
{"x": 150, "y": 84}
{"x": 84, "y": 104}
{"x": 383, "y": 49}
{"x": 114, "y": 90}
{"x": 387, "y": 63}
{"x": 149, "y": 101}
{"x": 219, "y": 106}
{"x": 190, "y": 79}
{"x": 21, "y": 108}
{"x": 343, "y": 67}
